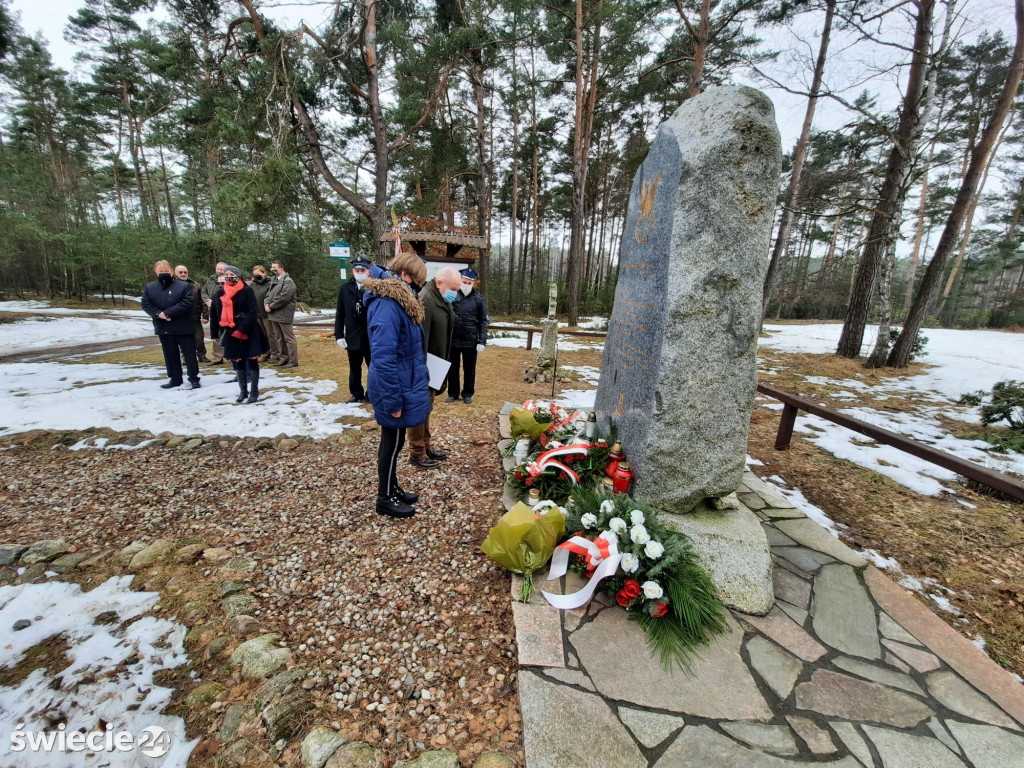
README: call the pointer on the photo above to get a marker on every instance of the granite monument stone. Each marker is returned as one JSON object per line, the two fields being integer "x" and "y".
{"x": 679, "y": 371}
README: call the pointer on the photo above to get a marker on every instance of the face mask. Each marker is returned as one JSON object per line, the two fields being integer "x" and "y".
{"x": 450, "y": 295}
{"x": 165, "y": 278}
{"x": 360, "y": 276}
{"x": 465, "y": 289}
{"x": 231, "y": 279}
{"x": 261, "y": 279}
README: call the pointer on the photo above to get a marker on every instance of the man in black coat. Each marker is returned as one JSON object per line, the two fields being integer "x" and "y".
{"x": 350, "y": 328}
{"x": 200, "y": 312}
{"x": 468, "y": 338}
{"x": 169, "y": 302}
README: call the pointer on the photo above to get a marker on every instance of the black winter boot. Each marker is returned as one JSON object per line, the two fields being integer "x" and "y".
{"x": 242, "y": 386}
{"x": 406, "y": 497}
{"x": 254, "y": 385}
{"x": 392, "y": 506}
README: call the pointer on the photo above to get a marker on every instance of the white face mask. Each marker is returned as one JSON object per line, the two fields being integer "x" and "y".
{"x": 360, "y": 276}
{"x": 465, "y": 289}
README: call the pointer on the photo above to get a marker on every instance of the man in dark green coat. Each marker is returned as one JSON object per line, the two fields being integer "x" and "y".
{"x": 438, "y": 322}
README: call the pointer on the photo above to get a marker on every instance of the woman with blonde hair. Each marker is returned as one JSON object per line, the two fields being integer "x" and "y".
{"x": 397, "y": 380}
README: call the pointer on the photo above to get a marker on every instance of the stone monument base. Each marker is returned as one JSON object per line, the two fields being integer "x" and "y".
{"x": 732, "y": 547}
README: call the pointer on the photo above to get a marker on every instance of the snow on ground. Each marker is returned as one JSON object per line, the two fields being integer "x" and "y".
{"x": 128, "y": 397}
{"x": 518, "y": 339}
{"x": 121, "y": 691}
{"x": 962, "y": 361}
{"x": 587, "y": 373}
{"x": 36, "y": 333}
{"x": 44, "y": 308}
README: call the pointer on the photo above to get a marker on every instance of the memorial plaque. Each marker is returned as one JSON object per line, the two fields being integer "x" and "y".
{"x": 679, "y": 370}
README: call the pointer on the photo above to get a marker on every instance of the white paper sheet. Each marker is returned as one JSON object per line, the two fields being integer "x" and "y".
{"x": 437, "y": 370}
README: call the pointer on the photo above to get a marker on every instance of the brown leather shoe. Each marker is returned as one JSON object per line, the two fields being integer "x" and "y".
{"x": 423, "y": 462}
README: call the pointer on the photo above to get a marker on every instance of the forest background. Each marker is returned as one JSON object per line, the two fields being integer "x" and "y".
{"x": 204, "y": 130}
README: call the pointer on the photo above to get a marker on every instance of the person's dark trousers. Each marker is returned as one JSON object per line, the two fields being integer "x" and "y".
{"x": 392, "y": 439}
{"x": 184, "y": 344}
{"x": 200, "y": 334}
{"x": 468, "y": 388}
{"x": 355, "y": 371}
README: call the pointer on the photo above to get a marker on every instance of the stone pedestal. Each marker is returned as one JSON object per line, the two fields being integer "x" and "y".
{"x": 732, "y": 547}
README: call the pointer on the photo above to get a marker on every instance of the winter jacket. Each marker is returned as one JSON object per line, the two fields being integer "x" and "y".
{"x": 397, "y": 380}
{"x": 199, "y": 309}
{"x": 438, "y": 321}
{"x": 175, "y": 301}
{"x": 209, "y": 288}
{"x": 245, "y": 321}
{"x": 350, "y": 318}
{"x": 470, "y": 321}
{"x": 261, "y": 290}
{"x": 281, "y": 299}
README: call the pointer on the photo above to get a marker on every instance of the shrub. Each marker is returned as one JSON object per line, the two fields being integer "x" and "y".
{"x": 920, "y": 342}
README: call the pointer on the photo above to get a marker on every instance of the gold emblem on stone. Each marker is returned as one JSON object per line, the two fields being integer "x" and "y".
{"x": 645, "y": 220}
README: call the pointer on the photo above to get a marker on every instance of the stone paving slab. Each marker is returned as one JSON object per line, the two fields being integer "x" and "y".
{"x": 950, "y": 646}
{"x": 771, "y": 693}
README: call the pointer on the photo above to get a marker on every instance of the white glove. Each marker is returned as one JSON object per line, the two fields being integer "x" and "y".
{"x": 479, "y": 347}
{"x": 342, "y": 343}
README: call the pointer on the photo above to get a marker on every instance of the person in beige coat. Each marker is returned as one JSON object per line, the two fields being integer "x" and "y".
{"x": 280, "y": 307}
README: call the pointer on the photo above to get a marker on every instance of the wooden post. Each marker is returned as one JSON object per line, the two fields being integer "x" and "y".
{"x": 786, "y": 424}
{"x": 529, "y": 339}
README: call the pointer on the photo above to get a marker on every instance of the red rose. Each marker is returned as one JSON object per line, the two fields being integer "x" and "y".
{"x": 518, "y": 475}
{"x": 631, "y": 588}
{"x": 659, "y": 610}
{"x": 529, "y": 480}
{"x": 622, "y": 598}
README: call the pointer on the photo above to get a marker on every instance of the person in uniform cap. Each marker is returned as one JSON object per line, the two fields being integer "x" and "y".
{"x": 350, "y": 327}
{"x": 469, "y": 338}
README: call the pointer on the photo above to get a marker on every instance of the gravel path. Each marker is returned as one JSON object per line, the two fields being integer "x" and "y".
{"x": 406, "y": 625}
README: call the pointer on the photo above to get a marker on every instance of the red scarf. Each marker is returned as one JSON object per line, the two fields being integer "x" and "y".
{"x": 227, "y": 307}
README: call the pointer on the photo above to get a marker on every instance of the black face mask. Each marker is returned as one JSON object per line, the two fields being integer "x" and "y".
{"x": 261, "y": 279}
{"x": 416, "y": 288}
{"x": 165, "y": 278}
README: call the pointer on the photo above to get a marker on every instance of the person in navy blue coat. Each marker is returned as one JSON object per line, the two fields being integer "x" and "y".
{"x": 169, "y": 302}
{"x": 397, "y": 381}
{"x": 235, "y": 311}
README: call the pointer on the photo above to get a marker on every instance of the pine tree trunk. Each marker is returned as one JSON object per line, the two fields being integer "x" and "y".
{"x": 889, "y": 202}
{"x": 900, "y": 355}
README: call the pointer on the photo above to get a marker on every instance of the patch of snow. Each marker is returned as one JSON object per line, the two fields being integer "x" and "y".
{"x": 127, "y": 397}
{"x": 979, "y": 642}
{"x": 45, "y": 332}
{"x": 588, "y": 373}
{"x": 796, "y": 497}
{"x": 97, "y": 652}
{"x": 576, "y": 398}
{"x": 752, "y": 462}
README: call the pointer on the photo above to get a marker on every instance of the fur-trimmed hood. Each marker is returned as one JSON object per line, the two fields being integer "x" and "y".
{"x": 399, "y": 292}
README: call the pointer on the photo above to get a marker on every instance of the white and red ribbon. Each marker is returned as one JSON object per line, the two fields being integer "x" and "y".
{"x": 601, "y": 554}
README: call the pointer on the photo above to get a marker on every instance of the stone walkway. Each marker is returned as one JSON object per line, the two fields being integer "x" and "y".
{"x": 848, "y": 669}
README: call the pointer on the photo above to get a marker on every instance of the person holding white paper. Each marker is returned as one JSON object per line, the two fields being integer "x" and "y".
{"x": 437, "y": 297}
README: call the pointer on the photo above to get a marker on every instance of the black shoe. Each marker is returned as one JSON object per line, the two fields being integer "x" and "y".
{"x": 451, "y": 399}
{"x": 432, "y": 454}
{"x": 170, "y": 385}
{"x": 194, "y": 385}
{"x": 204, "y": 359}
{"x": 423, "y": 462}
{"x": 406, "y": 497}
{"x": 355, "y": 399}
{"x": 467, "y": 400}
{"x": 394, "y": 507}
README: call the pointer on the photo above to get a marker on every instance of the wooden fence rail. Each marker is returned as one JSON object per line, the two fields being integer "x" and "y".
{"x": 794, "y": 404}
{"x": 530, "y": 330}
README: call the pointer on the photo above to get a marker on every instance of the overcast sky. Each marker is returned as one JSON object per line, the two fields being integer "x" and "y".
{"x": 799, "y": 42}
